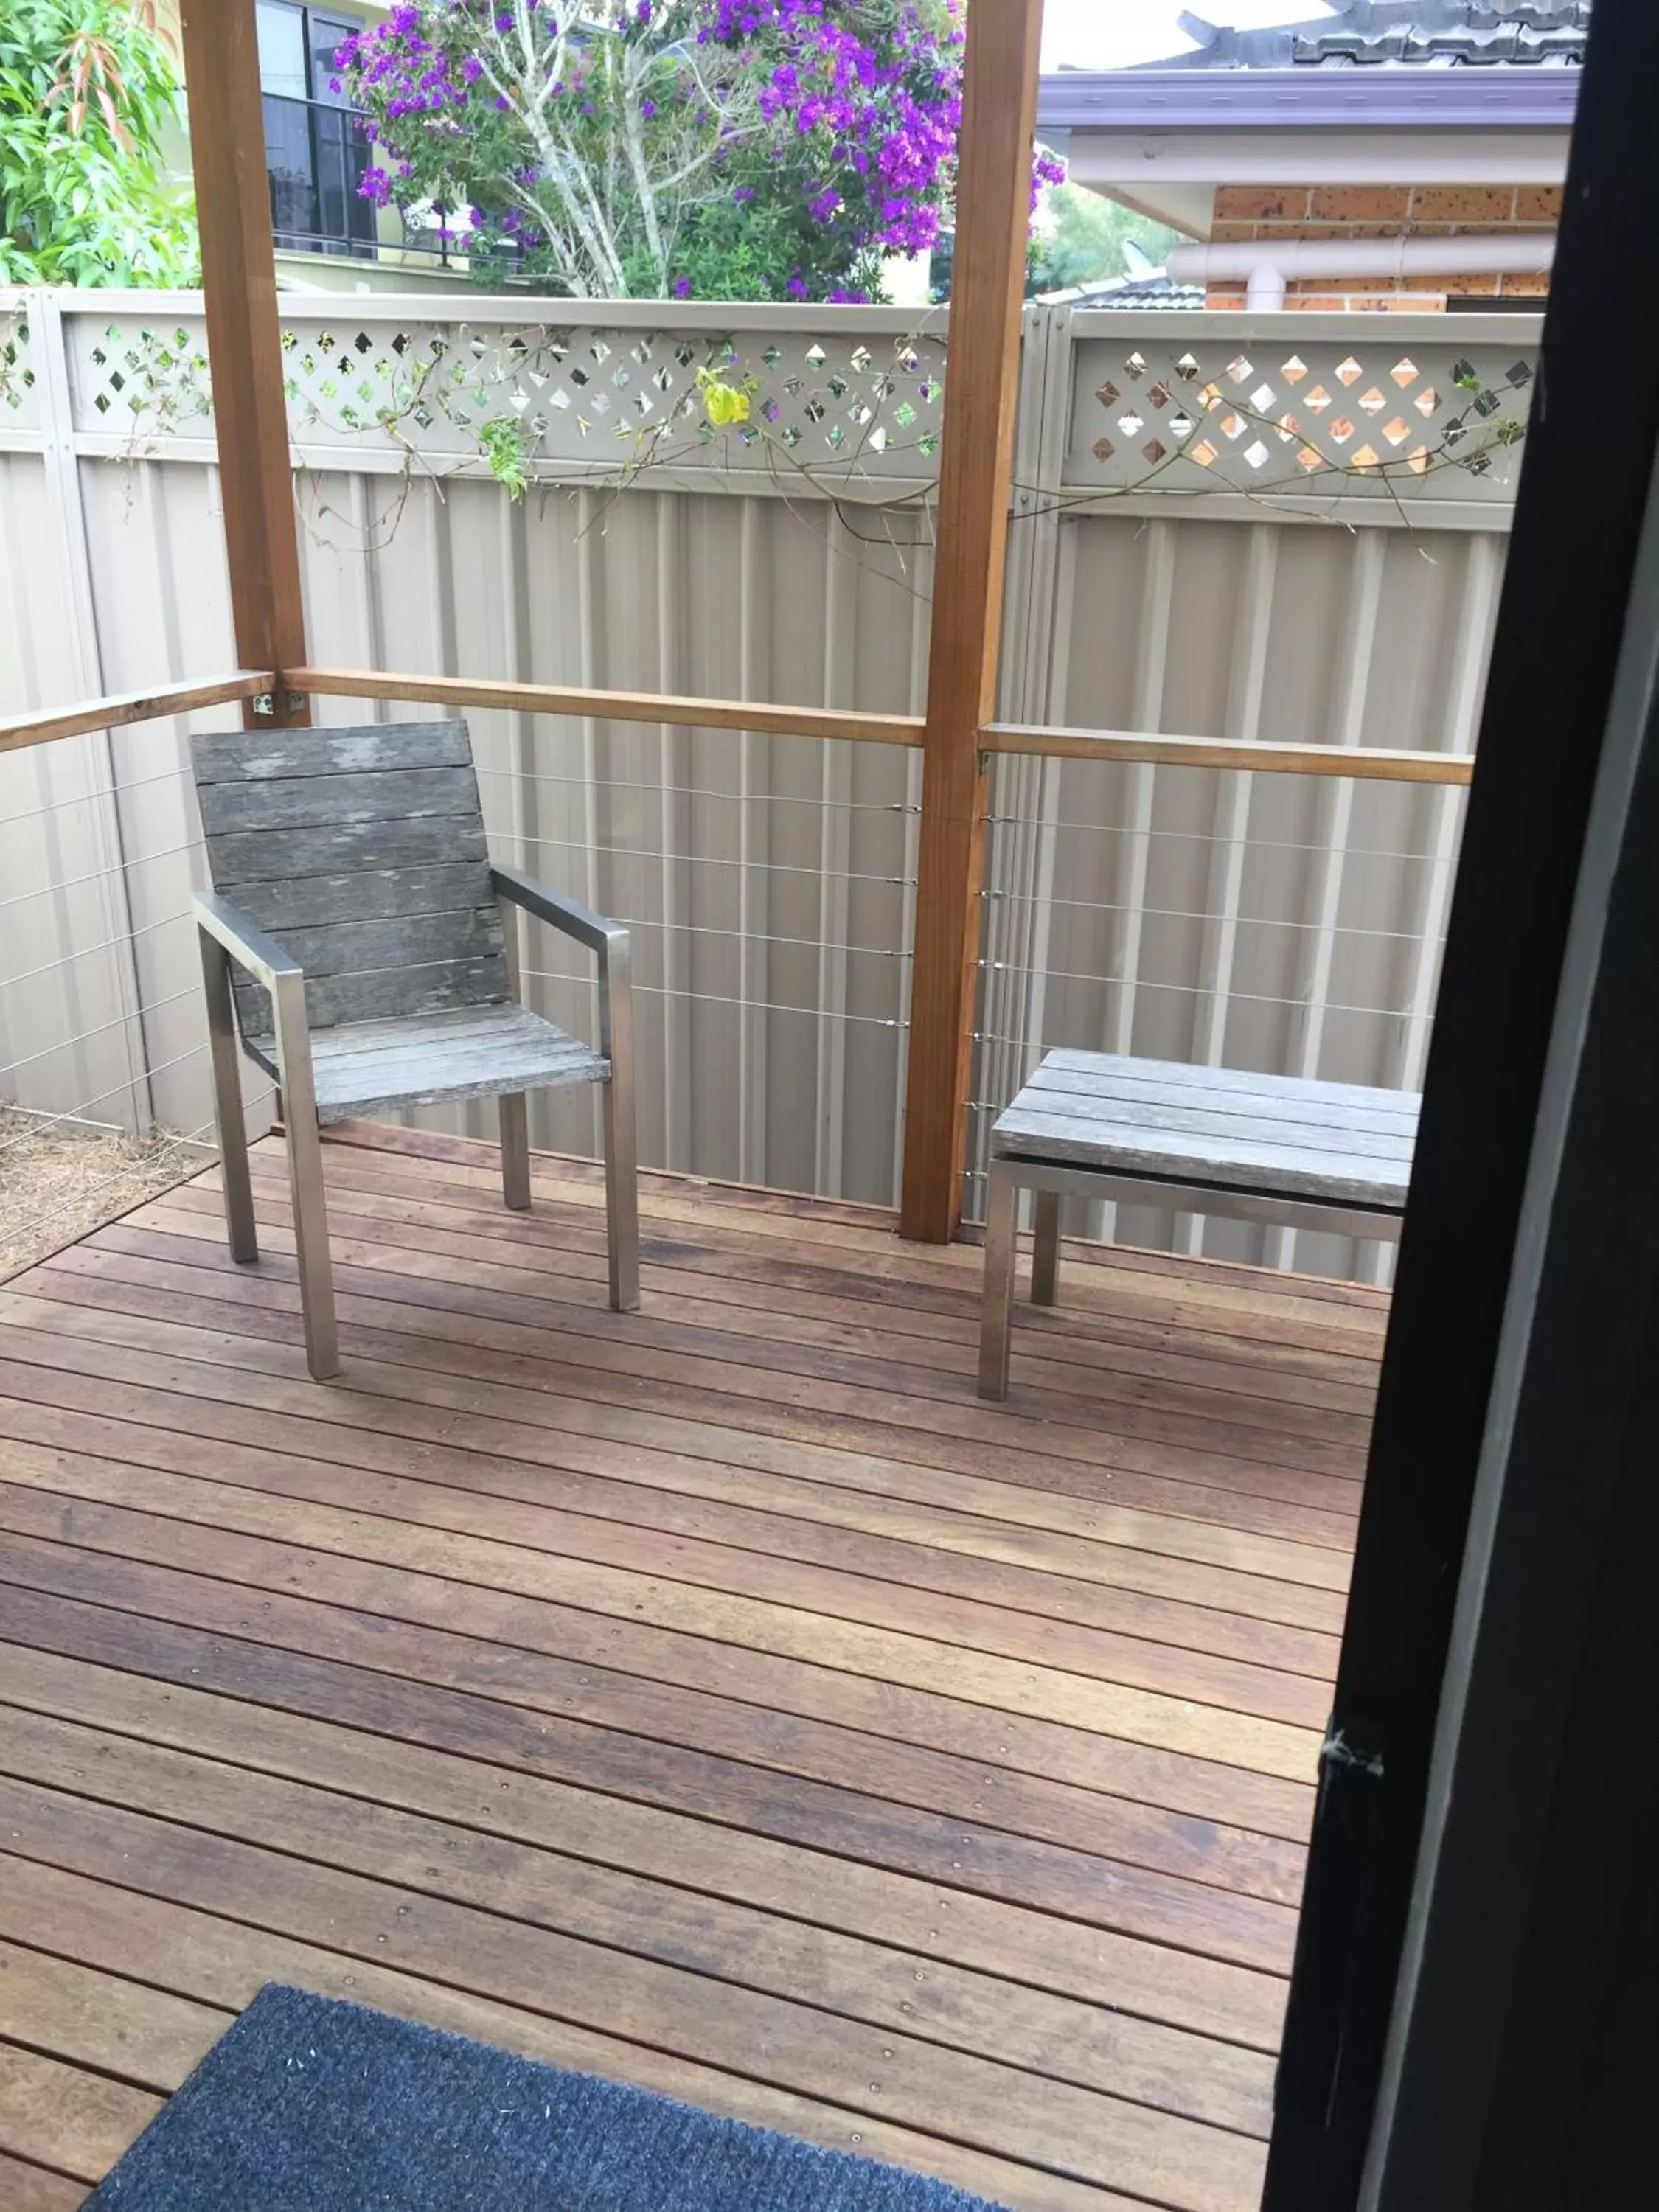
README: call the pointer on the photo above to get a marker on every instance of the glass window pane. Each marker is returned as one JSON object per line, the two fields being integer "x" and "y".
{"x": 342, "y": 157}
{"x": 332, "y": 189}
{"x": 282, "y": 50}
{"x": 360, "y": 213}
{"x": 327, "y": 34}
{"x": 289, "y": 167}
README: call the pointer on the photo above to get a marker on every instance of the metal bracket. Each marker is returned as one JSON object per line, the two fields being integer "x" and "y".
{"x": 263, "y": 704}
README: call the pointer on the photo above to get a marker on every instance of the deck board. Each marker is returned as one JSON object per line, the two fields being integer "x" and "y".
{"x": 29, "y": 2188}
{"x": 720, "y": 1699}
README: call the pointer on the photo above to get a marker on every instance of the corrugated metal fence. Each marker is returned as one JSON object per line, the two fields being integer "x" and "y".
{"x": 1276, "y": 589}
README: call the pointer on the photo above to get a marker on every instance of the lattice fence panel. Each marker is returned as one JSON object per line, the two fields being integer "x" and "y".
{"x": 142, "y": 375}
{"x": 1361, "y": 414}
{"x": 582, "y": 398}
{"x": 20, "y": 408}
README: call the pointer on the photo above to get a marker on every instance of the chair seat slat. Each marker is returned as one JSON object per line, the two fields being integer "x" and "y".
{"x": 466, "y": 1053}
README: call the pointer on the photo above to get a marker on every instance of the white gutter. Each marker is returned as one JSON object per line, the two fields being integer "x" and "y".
{"x": 1267, "y": 264}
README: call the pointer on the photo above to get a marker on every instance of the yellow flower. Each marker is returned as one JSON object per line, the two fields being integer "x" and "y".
{"x": 723, "y": 403}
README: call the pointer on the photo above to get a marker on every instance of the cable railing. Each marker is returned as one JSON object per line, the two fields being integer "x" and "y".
{"x": 774, "y": 990}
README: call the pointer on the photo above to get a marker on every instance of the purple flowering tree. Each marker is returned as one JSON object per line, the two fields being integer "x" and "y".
{"x": 707, "y": 148}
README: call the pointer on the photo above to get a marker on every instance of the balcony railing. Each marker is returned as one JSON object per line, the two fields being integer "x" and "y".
{"x": 1141, "y": 892}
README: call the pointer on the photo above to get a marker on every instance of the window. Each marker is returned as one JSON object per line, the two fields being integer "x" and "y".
{"x": 315, "y": 151}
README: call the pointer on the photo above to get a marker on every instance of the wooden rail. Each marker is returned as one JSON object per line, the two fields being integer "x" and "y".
{"x": 17, "y": 731}
{"x": 609, "y": 706}
{"x": 1366, "y": 764}
{"x": 1369, "y": 764}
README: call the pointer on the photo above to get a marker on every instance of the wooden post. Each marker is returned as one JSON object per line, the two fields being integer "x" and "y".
{"x": 976, "y": 452}
{"x": 239, "y": 278}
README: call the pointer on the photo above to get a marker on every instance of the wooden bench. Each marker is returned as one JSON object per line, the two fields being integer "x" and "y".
{"x": 1213, "y": 1140}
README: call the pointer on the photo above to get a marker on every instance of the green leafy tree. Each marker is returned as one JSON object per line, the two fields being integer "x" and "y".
{"x": 88, "y": 88}
{"x": 1078, "y": 237}
{"x": 1081, "y": 238}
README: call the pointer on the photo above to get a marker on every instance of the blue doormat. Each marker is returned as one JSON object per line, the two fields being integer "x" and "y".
{"x": 307, "y": 2105}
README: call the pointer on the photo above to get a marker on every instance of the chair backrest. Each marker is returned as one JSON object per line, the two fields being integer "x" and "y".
{"x": 363, "y": 853}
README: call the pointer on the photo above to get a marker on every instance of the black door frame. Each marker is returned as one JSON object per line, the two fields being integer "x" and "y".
{"x": 1583, "y": 504}
{"x": 1539, "y": 1858}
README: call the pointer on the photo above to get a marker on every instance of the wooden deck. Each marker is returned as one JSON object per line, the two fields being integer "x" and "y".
{"x": 719, "y": 1698}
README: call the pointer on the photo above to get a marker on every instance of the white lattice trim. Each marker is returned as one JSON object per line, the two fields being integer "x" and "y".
{"x": 1321, "y": 405}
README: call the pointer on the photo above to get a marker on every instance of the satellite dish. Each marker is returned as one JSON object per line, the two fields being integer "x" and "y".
{"x": 1136, "y": 260}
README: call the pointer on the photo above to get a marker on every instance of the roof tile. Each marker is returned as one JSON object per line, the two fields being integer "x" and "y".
{"x": 1408, "y": 33}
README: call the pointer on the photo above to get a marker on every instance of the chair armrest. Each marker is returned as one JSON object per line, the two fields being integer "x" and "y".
{"x": 263, "y": 958}
{"x": 225, "y": 934}
{"x": 568, "y": 915}
{"x": 608, "y": 938}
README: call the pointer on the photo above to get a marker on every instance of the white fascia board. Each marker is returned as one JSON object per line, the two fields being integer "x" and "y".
{"x": 1122, "y": 164}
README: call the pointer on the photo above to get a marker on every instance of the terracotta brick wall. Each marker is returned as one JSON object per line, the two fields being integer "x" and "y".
{"x": 1275, "y": 211}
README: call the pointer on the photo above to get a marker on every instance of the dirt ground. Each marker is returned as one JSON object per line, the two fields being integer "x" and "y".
{"x": 57, "y": 1181}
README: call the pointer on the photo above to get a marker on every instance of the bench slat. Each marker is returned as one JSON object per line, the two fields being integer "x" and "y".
{"x": 1069, "y": 1060}
{"x": 1105, "y": 1120}
{"x": 1218, "y": 1127}
{"x": 1252, "y": 1165}
{"x": 1066, "y": 1088}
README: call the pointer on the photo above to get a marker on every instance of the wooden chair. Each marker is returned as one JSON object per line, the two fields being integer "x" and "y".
{"x": 360, "y": 940}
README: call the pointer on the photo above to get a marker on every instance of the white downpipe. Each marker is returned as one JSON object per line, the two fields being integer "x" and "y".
{"x": 1268, "y": 265}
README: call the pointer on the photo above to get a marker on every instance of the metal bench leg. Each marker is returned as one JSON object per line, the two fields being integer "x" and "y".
{"x": 622, "y": 1199}
{"x": 622, "y": 1158}
{"x": 515, "y": 1150}
{"x": 1045, "y": 1250}
{"x": 996, "y": 1313}
{"x": 305, "y": 1169}
{"x": 228, "y": 1109}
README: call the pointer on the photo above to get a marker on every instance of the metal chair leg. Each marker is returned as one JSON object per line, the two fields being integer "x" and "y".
{"x": 621, "y": 1159}
{"x": 515, "y": 1150}
{"x": 305, "y": 1169}
{"x": 996, "y": 1313}
{"x": 515, "y": 1122}
{"x": 228, "y": 1111}
{"x": 1045, "y": 1250}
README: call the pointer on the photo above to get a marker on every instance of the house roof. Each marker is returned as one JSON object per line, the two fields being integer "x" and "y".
{"x": 1412, "y": 33}
{"x": 1156, "y": 292}
{"x": 1299, "y": 98}
{"x": 1427, "y": 70}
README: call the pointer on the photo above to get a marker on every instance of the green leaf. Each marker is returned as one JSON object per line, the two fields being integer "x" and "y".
{"x": 93, "y": 206}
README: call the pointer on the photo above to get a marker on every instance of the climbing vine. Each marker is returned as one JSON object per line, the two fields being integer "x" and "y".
{"x": 858, "y": 429}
